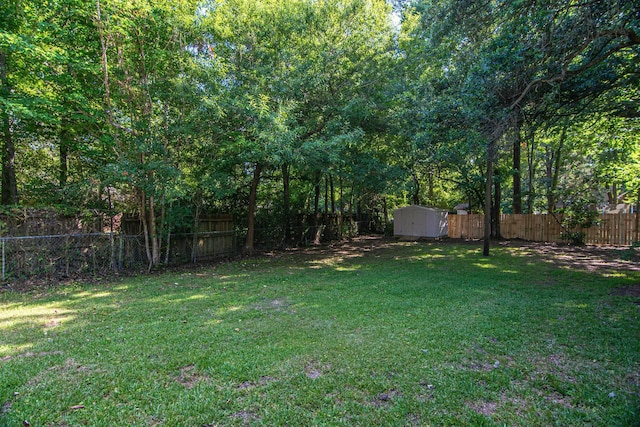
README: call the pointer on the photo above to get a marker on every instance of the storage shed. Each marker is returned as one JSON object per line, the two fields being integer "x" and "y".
{"x": 420, "y": 221}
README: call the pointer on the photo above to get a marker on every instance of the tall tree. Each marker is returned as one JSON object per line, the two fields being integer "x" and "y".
{"x": 501, "y": 58}
{"x": 143, "y": 44}
{"x": 14, "y": 41}
{"x": 296, "y": 74}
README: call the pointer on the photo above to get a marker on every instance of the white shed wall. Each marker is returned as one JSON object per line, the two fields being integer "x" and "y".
{"x": 420, "y": 221}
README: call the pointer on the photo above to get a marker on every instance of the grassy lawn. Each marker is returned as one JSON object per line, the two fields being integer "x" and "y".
{"x": 398, "y": 334}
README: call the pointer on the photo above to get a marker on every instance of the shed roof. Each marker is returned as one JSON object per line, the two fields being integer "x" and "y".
{"x": 426, "y": 208}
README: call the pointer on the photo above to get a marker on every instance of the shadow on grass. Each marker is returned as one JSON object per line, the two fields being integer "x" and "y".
{"x": 458, "y": 265}
{"x": 334, "y": 330}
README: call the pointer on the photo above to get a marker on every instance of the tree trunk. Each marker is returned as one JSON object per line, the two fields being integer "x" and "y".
{"x": 341, "y": 207}
{"x": 495, "y": 211}
{"x": 167, "y": 250}
{"x": 487, "y": 200}
{"x": 333, "y": 195}
{"x": 316, "y": 209}
{"x": 142, "y": 200}
{"x": 531, "y": 165}
{"x": 554, "y": 164}
{"x": 248, "y": 246}
{"x": 153, "y": 233}
{"x": 548, "y": 163}
{"x": 196, "y": 227}
{"x": 385, "y": 212}
{"x": 316, "y": 203}
{"x": 9, "y": 182}
{"x": 163, "y": 227}
{"x": 612, "y": 195}
{"x": 517, "y": 177}
{"x": 416, "y": 191}
{"x": 326, "y": 218}
{"x": 637, "y": 235}
{"x": 431, "y": 192}
{"x": 326, "y": 201}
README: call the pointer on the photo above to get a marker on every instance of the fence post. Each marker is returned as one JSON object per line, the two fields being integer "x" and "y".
{"x": 120, "y": 250}
{"x": 194, "y": 247}
{"x": 3, "y": 263}
{"x": 66, "y": 255}
{"x": 113, "y": 252}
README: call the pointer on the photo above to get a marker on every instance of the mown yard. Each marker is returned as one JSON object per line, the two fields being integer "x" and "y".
{"x": 371, "y": 332}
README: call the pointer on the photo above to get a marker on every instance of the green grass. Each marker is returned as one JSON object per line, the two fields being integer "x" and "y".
{"x": 409, "y": 334}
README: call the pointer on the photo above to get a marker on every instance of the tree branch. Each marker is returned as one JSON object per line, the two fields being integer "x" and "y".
{"x": 633, "y": 40}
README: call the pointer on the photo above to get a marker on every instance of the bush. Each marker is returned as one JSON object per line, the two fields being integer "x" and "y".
{"x": 578, "y": 216}
{"x": 576, "y": 238}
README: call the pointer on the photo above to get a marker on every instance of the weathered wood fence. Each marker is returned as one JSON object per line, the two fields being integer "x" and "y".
{"x": 215, "y": 237}
{"x": 612, "y": 229}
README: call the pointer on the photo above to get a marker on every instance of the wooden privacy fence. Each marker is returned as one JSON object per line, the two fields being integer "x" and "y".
{"x": 215, "y": 237}
{"x": 612, "y": 229}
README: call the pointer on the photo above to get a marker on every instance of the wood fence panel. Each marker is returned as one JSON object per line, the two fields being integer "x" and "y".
{"x": 215, "y": 236}
{"x": 612, "y": 229}
{"x": 510, "y": 225}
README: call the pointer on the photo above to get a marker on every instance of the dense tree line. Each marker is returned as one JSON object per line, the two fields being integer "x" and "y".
{"x": 308, "y": 112}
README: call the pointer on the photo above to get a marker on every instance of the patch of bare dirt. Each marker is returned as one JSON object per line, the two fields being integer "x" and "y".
{"x": 70, "y": 371}
{"x": 627, "y": 291}
{"x": 557, "y": 398}
{"x": 414, "y": 420}
{"x": 314, "y": 370}
{"x": 386, "y": 398}
{"x": 483, "y": 407}
{"x": 480, "y": 366}
{"x": 263, "y": 381}
{"x": 601, "y": 259}
{"x": 343, "y": 249}
{"x": 189, "y": 376}
{"x": 277, "y": 305}
{"x": 31, "y": 354}
{"x": 247, "y": 416}
{"x": 634, "y": 380}
{"x": 154, "y": 421}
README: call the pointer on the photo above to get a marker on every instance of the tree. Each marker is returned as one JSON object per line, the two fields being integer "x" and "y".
{"x": 501, "y": 59}
{"x": 143, "y": 46}
{"x": 292, "y": 74}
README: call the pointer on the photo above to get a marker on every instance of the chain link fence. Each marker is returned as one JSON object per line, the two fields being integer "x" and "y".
{"x": 76, "y": 256}
{"x": 73, "y": 256}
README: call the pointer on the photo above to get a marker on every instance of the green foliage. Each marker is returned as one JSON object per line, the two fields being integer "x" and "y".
{"x": 479, "y": 72}
{"x": 147, "y": 105}
{"x": 576, "y": 217}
